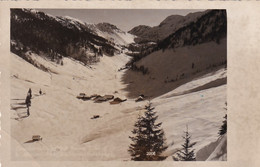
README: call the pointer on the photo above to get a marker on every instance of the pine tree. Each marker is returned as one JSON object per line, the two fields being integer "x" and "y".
{"x": 223, "y": 128}
{"x": 186, "y": 153}
{"x": 149, "y": 139}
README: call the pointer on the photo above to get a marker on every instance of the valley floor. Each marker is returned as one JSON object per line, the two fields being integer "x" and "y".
{"x": 64, "y": 122}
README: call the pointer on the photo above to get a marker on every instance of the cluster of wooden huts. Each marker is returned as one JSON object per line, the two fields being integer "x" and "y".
{"x": 99, "y": 99}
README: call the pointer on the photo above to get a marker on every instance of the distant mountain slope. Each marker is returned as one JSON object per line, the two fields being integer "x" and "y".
{"x": 114, "y": 34}
{"x": 143, "y": 33}
{"x": 212, "y": 26}
{"x": 165, "y": 28}
{"x": 161, "y": 72}
{"x": 193, "y": 50}
{"x": 107, "y": 27}
{"x": 57, "y": 36}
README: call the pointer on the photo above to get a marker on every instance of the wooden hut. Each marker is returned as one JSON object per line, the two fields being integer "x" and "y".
{"x": 117, "y": 101}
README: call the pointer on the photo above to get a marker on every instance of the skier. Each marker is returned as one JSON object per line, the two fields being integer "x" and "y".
{"x": 40, "y": 91}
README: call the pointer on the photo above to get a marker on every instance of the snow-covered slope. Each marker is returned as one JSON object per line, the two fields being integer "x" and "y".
{"x": 64, "y": 36}
{"x": 215, "y": 151}
{"x": 105, "y": 30}
{"x": 113, "y": 33}
{"x": 204, "y": 82}
{"x": 59, "y": 117}
{"x": 220, "y": 152}
{"x": 64, "y": 122}
{"x": 187, "y": 84}
{"x": 173, "y": 67}
{"x": 201, "y": 110}
{"x": 56, "y": 37}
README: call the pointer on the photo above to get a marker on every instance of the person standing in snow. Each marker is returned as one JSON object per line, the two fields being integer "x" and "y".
{"x": 29, "y": 93}
{"x": 28, "y": 101}
{"x": 40, "y": 92}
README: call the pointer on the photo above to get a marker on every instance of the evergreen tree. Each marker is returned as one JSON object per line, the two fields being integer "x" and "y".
{"x": 149, "y": 139}
{"x": 223, "y": 128}
{"x": 186, "y": 153}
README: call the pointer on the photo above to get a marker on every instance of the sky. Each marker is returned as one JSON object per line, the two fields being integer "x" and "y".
{"x": 124, "y": 19}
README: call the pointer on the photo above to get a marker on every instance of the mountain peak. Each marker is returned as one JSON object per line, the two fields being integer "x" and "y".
{"x": 139, "y": 30}
{"x": 107, "y": 27}
{"x": 170, "y": 19}
{"x": 168, "y": 26}
{"x": 73, "y": 19}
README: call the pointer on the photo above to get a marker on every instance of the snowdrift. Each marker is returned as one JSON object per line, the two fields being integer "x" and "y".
{"x": 215, "y": 151}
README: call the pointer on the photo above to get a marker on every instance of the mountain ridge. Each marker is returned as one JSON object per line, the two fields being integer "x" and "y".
{"x": 193, "y": 50}
{"x": 63, "y": 36}
{"x": 169, "y": 25}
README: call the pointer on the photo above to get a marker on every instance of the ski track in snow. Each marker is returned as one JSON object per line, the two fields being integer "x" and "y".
{"x": 64, "y": 123}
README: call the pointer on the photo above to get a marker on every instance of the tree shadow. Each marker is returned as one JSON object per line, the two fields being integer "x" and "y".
{"x": 20, "y": 118}
{"x": 17, "y": 99}
{"x": 19, "y": 107}
{"x": 22, "y": 103}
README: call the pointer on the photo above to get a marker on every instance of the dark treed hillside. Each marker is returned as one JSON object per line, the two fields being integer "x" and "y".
{"x": 191, "y": 51}
{"x": 107, "y": 27}
{"x": 39, "y": 32}
{"x": 211, "y": 26}
{"x": 164, "y": 29}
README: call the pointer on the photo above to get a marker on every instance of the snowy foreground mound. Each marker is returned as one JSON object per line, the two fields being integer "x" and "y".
{"x": 215, "y": 151}
{"x": 64, "y": 122}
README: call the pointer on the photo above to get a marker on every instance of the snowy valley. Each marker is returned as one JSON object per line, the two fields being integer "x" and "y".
{"x": 185, "y": 82}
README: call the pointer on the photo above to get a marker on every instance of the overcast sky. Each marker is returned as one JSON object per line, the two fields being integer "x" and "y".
{"x": 125, "y": 19}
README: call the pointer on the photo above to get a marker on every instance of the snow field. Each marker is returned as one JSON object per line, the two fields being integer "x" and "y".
{"x": 64, "y": 123}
